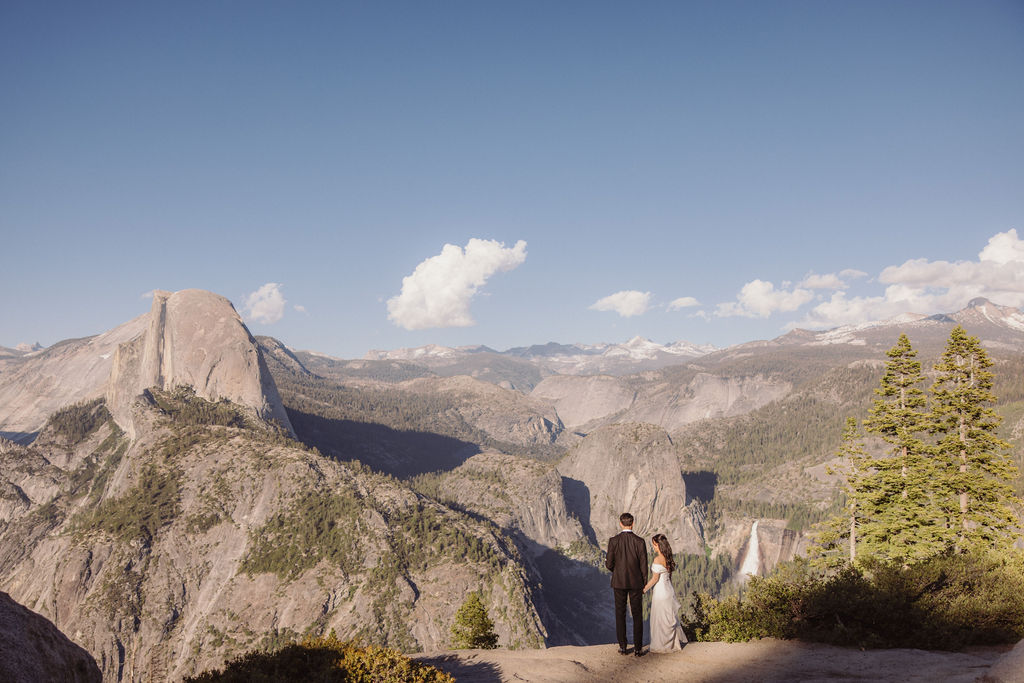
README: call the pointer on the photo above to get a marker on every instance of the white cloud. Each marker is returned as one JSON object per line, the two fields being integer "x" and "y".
{"x": 760, "y": 299}
{"x": 626, "y": 303}
{"x": 826, "y": 281}
{"x": 440, "y": 289}
{"x": 300, "y": 308}
{"x": 923, "y": 286}
{"x": 1003, "y": 247}
{"x": 833, "y": 281}
{"x": 266, "y": 304}
{"x": 683, "y": 302}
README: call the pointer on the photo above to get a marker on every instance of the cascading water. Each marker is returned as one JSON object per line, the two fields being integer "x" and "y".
{"x": 752, "y": 560}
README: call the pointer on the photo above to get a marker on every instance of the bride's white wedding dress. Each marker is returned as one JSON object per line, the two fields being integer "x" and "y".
{"x": 666, "y": 633}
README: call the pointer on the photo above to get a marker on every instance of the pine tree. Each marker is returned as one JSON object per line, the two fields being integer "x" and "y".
{"x": 976, "y": 469}
{"x": 856, "y": 468}
{"x": 859, "y": 462}
{"x": 473, "y": 628}
{"x": 898, "y": 413}
{"x": 897, "y": 493}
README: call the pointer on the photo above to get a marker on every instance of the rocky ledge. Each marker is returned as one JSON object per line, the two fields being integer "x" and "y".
{"x": 767, "y": 660}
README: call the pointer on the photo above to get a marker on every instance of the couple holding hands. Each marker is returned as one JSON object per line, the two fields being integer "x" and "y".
{"x": 627, "y": 561}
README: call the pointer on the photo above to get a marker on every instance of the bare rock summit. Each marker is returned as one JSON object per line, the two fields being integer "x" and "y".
{"x": 196, "y": 338}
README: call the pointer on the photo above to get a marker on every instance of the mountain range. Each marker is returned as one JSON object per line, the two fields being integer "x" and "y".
{"x": 175, "y": 490}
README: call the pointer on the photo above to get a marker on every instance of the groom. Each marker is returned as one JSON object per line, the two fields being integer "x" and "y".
{"x": 627, "y": 561}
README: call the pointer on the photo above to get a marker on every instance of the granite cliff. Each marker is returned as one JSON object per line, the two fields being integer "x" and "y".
{"x": 191, "y": 337}
{"x": 194, "y": 338}
{"x": 669, "y": 399}
{"x": 633, "y": 467}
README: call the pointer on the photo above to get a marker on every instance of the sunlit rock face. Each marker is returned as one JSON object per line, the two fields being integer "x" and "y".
{"x": 193, "y": 338}
{"x": 584, "y": 402}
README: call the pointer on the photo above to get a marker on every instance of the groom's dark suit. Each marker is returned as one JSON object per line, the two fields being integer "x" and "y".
{"x": 627, "y": 561}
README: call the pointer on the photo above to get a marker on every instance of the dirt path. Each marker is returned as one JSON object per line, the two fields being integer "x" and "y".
{"x": 765, "y": 660}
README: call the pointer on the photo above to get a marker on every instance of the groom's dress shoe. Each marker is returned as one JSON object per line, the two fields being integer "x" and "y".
{"x": 623, "y": 651}
{"x": 638, "y": 652}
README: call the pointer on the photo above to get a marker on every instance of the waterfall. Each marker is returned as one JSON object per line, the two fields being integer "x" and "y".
{"x": 752, "y": 560}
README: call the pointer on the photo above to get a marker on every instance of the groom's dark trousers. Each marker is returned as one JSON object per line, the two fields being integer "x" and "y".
{"x": 627, "y": 561}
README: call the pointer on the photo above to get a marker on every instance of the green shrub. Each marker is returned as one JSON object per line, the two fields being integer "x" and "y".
{"x": 325, "y": 659}
{"x": 202, "y": 522}
{"x": 945, "y": 602}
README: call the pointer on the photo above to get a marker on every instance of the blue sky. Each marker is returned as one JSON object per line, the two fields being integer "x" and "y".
{"x": 781, "y": 163}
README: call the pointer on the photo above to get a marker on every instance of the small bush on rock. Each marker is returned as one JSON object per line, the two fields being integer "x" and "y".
{"x": 473, "y": 628}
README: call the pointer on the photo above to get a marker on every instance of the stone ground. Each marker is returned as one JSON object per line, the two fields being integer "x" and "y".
{"x": 766, "y": 660}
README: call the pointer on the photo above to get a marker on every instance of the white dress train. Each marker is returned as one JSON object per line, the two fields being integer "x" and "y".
{"x": 666, "y": 633}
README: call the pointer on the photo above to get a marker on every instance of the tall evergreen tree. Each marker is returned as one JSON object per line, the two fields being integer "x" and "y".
{"x": 838, "y": 536}
{"x": 898, "y": 414}
{"x": 905, "y": 520}
{"x": 859, "y": 463}
{"x": 976, "y": 469}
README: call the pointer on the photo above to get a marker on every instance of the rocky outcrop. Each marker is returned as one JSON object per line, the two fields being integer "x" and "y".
{"x": 274, "y": 351}
{"x": 193, "y": 338}
{"x": 580, "y": 400}
{"x": 766, "y": 660}
{"x": 32, "y": 649}
{"x": 1009, "y": 668}
{"x": 518, "y": 494}
{"x": 504, "y": 415}
{"x": 26, "y": 478}
{"x": 633, "y": 468}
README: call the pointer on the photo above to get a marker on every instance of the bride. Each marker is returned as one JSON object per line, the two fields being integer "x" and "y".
{"x": 666, "y": 633}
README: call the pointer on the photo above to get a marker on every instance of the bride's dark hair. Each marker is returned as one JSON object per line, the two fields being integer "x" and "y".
{"x": 666, "y": 550}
